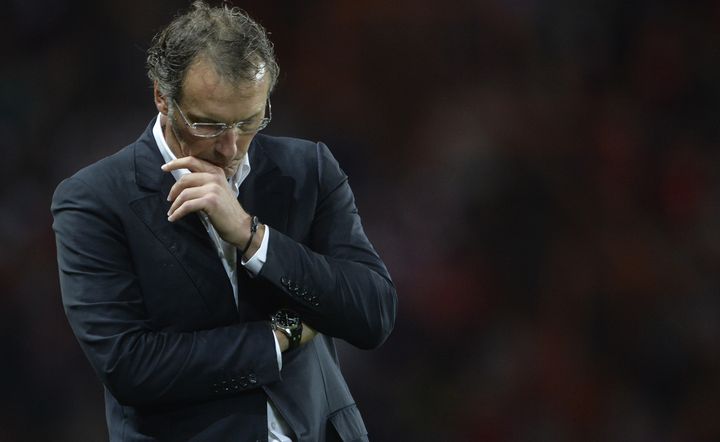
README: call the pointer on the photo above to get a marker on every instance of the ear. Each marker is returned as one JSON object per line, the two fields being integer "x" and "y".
{"x": 161, "y": 101}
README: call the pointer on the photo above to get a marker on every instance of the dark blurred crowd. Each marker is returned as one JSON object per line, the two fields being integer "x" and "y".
{"x": 542, "y": 179}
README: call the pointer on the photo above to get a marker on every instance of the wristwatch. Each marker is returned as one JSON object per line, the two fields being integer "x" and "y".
{"x": 288, "y": 323}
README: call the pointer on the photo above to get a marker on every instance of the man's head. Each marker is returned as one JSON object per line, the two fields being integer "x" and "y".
{"x": 212, "y": 65}
{"x": 235, "y": 44}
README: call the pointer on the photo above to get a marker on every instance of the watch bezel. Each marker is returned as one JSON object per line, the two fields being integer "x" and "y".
{"x": 288, "y": 323}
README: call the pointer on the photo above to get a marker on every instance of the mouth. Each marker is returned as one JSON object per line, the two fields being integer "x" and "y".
{"x": 228, "y": 168}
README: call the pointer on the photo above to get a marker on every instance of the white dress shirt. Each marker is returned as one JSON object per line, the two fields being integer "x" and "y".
{"x": 278, "y": 429}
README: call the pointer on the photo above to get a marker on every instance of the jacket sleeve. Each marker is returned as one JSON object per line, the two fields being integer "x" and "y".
{"x": 337, "y": 283}
{"x": 140, "y": 365}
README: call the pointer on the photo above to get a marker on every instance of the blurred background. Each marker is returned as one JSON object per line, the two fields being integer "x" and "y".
{"x": 542, "y": 179}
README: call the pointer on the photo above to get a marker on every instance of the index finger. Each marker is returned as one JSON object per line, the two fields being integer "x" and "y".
{"x": 193, "y": 164}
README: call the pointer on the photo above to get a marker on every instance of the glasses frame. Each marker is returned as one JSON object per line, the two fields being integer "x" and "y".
{"x": 222, "y": 127}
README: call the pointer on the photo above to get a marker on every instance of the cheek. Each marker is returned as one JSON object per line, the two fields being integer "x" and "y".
{"x": 190, "y": 145}
{"x": 200, "y": 148}
{"x": 243, "y": 144}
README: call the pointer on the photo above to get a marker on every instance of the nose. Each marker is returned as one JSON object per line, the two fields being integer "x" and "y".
{"x": 226, "y": 143}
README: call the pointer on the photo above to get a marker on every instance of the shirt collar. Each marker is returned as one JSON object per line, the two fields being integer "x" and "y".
{"x": 235, "y": 181}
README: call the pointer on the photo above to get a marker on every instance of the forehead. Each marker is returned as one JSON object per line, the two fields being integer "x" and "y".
{"x": 208, "y": 93}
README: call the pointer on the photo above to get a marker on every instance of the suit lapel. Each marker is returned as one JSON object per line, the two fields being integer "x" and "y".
{"x": 266, "y": 192}
{"x": 186, "y": 239}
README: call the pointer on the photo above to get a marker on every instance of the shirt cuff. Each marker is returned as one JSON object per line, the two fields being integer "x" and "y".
{"x": 277, "y": 351}
{"x": 256, "y": 262}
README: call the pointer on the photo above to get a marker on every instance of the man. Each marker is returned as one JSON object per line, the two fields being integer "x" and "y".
{"x": 205, "y": 268}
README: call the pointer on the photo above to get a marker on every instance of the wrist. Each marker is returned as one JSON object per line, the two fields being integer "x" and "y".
{"x": 255, "y": 244}
{"x": 283, "y": 341}
{"x": 250, "y": 244}
{"x": 288, "y": 323}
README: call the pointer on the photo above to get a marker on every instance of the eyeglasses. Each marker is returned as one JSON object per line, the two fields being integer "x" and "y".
{"x": 211, "y": 130}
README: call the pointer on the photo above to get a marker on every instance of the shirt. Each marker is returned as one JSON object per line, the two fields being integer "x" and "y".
{"x": 278, "y": 429}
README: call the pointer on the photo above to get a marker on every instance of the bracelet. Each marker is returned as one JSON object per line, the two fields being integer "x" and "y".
{"x": 253, "y": 228}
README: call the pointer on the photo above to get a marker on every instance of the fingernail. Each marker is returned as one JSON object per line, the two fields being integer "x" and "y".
{"x": 163, "y": 167}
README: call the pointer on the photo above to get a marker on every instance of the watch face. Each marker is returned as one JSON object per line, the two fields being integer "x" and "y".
{"x": 287, "y": 318}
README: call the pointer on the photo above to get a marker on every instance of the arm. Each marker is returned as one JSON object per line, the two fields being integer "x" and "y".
{"x": 338, "y": 284}
{"x": 104, "y": 305}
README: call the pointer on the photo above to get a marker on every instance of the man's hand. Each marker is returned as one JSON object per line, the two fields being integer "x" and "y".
{"x": 308, "y": 333}
{"x": 207, "y": 190}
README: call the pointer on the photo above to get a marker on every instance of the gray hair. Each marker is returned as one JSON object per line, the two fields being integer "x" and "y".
{"x": 233, "y": 42}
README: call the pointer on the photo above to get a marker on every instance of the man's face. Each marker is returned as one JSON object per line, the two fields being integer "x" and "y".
{"x": 207, "y": 98}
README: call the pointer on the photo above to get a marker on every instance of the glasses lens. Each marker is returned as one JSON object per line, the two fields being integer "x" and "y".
{"x": 207, "y": 130}
{"x": 254, "y": 126}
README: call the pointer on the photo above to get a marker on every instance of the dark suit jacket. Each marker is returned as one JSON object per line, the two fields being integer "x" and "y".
{"x": 153, "y": 309}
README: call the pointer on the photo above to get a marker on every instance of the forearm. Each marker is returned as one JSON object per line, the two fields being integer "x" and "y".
{"x": 147, "y": 368}
{"x": 349, "y": 300}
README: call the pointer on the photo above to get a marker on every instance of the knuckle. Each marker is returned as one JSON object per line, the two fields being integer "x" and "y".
{"x": 217, "y": 187}
{"x": 212, "y": 199}
{"x": 183, "y": 196}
